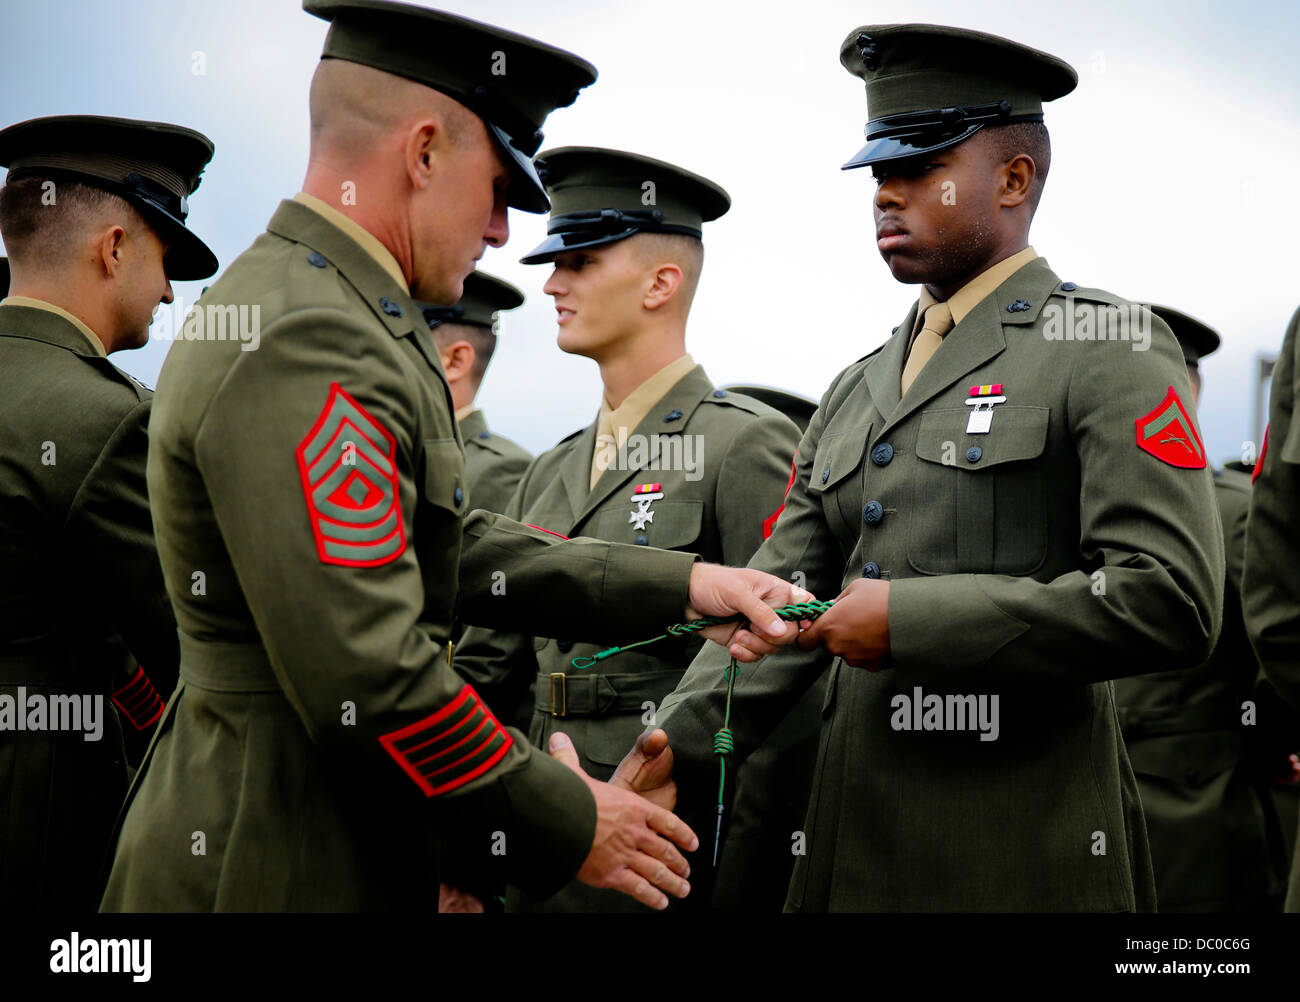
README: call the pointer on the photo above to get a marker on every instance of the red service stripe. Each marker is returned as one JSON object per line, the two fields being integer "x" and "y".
{"x": 135, "y": 680}
{"x": 497, "y": 756}
{"x": 540, "y": 529}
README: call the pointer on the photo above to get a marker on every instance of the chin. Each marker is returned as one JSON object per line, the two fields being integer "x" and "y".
{"x": 906, "y": 270}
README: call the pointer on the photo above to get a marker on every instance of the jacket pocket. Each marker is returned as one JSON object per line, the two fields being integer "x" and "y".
{"x": 837, "y": 476}
{"x": 981, "y": 499}
{"x": 675, "y": 523}
{"x": 444, "y": 475}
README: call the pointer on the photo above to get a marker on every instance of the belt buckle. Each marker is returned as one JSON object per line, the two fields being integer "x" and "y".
{"x": 564, "y": 694}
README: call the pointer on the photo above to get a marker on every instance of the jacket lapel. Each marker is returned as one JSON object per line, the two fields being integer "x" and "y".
{"x": 685, "y": 396}
{"x": 885, "y": 372}
{"x": 575, "y": 471}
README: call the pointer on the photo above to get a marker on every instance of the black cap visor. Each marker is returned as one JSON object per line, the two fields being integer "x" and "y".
{"x": 558, "y": 243}
{"x": 909, "y": 144}
{"x": 525, "y": 191}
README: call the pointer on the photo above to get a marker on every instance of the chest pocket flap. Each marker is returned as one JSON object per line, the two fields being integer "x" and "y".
{"x": 1017, "y": 433}
{"x": 444, "y": 475}
{"x": 676, "y": 522}
{"x": 839, "y": 453}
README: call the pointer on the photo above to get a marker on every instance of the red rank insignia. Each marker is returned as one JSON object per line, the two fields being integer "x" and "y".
{"x": 1169, "y": 434}
{"x": 347, "y": 463}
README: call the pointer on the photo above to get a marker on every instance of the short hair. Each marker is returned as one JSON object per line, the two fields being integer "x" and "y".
{"x": 1006, "y": 142}
{"x": 41, "y": 231}
{"x": 1194, "y": 376}
{"x": 481, "y": 339}
{"x": 682, "y": 249}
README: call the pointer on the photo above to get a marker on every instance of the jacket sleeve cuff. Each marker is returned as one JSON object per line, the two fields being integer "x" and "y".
{"x": 533, "y": 830}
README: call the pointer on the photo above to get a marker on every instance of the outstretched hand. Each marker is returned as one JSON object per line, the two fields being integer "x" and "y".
{"x": 648, "y": 770}
{"x": 633, "y": 850}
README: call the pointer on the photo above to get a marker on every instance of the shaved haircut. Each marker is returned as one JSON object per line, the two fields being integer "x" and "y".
{"x": 685, "y": 251}
{"x": 44, "y": 222}
{"x": 1006, "y": 142}
{"x": 481, "y": 339}
{"x": 354, "y": 107}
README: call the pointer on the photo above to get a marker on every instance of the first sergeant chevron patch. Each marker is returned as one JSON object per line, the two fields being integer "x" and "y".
{"x": 1170, "y": 435}
{"x": 347, "y": 464}
{"x": 449, "y": 748}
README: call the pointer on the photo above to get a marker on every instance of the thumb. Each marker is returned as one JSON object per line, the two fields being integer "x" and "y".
{"x": 654, "y": 744}
{"x": 561, "y": 749}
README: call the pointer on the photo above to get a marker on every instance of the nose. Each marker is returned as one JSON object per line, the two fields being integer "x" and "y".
{"x": 553, "y": 286}
{"x": 167, "y": 296}
{"x": 889, "y": 195}
{"x": 498, "y": 231}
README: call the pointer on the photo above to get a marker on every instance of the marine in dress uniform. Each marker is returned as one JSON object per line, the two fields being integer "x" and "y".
{"x": 1000, "y": 515}
{"x": 1215, "y": 838}
{"x": 1270, "y": 588}
{"x": 670, "y": 460}
{"x": 84, "y": 615}
{"x": 466, "y": 336}
{"x": 319, "y": 750}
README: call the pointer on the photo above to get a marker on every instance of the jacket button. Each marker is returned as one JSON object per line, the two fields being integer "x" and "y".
{"x": 973, "y": 454}
{"x": 458, "y": 495}
{"x": 389, "y": 307}
{"x": 872, "y": 570}
{"x": 641, "y": 541}
{"x": 316, "y": 259}
{"x": 564, "y": 645}
{"x": 826, "y": 474}
{"x": 719, "y": 393}
{"x": 873, "y": 512}
{"x": 1192, "y": 775}
{"x": 485, "y": 434}
{"x": 673, "y": 415}
{"x": 1068, "y": 286}
{"x": 882, "y": 454}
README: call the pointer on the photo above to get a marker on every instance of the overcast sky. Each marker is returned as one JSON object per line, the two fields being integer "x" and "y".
{"x": 1173, "y": 172}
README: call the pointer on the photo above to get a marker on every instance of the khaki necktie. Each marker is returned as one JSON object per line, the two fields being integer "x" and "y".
{"x": 606, "y": 446}
{"x": 938, "y": 322}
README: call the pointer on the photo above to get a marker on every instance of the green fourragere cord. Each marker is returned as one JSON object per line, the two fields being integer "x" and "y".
{"x": 723, "y": 745}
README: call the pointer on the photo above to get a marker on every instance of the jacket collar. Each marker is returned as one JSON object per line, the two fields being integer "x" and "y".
{"x": 979, "y": 337}
{"x": 684, "y": 397}
{"x": 44, "y": 325}
{"x": 390, "y": 304}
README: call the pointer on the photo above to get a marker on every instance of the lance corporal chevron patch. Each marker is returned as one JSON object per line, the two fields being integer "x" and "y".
{"x": 449, "y": 748}
{"x": 1169, "y": 434}
{"x": 348, "y": 467}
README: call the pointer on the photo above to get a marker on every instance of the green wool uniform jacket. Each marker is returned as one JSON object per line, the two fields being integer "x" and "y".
{"x": 493, "y": 463}
{"x": 1035, "y": 563}
{"x": 1271, "y": 579}
{"x": 320, "y": 749}
{"x": 1214, "y": 833}
{"x": 717, "y": 502}
{"x": 82, "y": 605}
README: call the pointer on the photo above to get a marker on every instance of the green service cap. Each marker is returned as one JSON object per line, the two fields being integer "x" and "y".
{"x": 797, "y": 408}
{"x": 482, "y": 298}
{"x": 1196, "y": 339}
{"x": 930, "y": 86}
{"x": 154, "y": 166}
{"x": 510, "y": 81}
{"x": 4, "y": 277}
{"x": 599, "y": 196}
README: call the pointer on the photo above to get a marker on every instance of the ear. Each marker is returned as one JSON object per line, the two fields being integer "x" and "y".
{"x": 664, "y": 283}
{"x": 1017, "y": 178}
{"x": 457, "y": 360}
{"x": 110, "y": 249}
{"x": 423, "y": 139}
